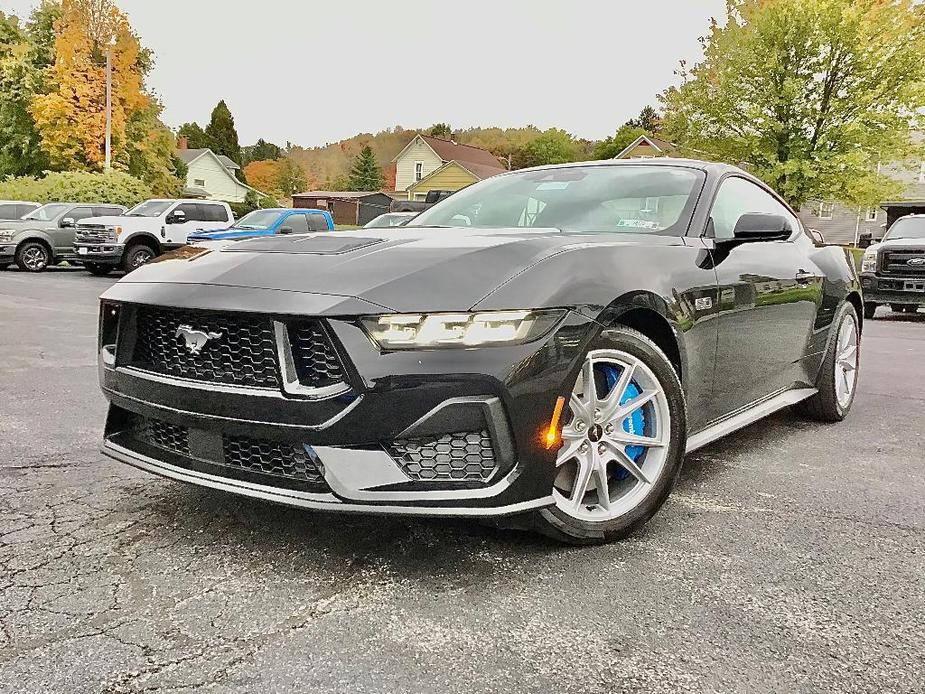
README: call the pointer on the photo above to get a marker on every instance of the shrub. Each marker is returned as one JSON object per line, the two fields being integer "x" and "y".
{"x": 115, "y": 188}
{"x": 252, "y": 202}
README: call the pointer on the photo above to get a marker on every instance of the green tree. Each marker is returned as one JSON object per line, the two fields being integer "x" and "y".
{"x": 648, "y": 120}
{"x": 261, "y": 151}
{"x": 809, "y": 94}
{"x": 612, "y": 146}
{"x": 195, "y": 136}
{"x": 553, "y": 146}
{"x": 290, "y": 177}
{"x": 366, "y": 174}
{"x": 222, "y": 135}
{"x": 440, "y": 130}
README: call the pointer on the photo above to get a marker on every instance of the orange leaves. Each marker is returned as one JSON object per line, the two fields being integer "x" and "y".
{"x": 263, "y": 175}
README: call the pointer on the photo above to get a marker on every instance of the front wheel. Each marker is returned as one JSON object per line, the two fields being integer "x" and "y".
{"x": 838, "y": 377}
{"x": 623, "y": 438}
{"x": 869, "y": 309}
{"x": 136, "y": 255}
{"x": 33, "y": 256}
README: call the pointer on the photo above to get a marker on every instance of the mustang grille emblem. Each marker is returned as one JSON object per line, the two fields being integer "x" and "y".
{"x": 195, "y": 340}
{"x": 916, "y": 261}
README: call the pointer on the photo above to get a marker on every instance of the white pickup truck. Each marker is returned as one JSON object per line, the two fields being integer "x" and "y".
{"x": 102, "y": 244}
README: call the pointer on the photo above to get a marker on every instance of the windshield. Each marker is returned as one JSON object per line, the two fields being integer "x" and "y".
{"x": 151, "y": 208}
{"x": 47, "y": 213}
{"x": 258, "y": 219}
{"x": 906, "y": 228}
{"x": 597, "y": 199}
{"x": 389, "y": 220}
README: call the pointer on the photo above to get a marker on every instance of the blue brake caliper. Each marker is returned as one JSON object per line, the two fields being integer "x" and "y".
{"x": 635, "y": 423}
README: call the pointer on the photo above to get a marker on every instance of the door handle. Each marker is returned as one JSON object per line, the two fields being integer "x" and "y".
{"x": 804, "y": 277}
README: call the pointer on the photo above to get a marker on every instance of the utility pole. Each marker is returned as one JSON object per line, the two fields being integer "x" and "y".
{"x": 108, "y": 109}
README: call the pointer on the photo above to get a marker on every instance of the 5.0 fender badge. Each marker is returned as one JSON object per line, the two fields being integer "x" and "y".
{"x": 195, "y": 340}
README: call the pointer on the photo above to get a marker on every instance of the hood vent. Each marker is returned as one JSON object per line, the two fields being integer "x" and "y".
{"x": 322, "y": 244}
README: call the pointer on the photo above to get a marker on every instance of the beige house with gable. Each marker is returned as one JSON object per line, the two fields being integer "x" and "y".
{"x": 432, "y": 163}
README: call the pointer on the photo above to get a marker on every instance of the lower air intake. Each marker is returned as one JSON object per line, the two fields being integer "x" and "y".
{"x": 464, "y": 456}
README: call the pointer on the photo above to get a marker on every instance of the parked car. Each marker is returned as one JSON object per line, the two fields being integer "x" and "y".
{"x": 269, "y": 222}
{"x": 391, "y": 219}
{"x": 893, "y": 271}
{"x": 16, "y": 209}
{"x": 128, "y": 241}
{"x": 431, "y": 199}
{"x": 45, "y": 236}
{"x": 550, "y": 362}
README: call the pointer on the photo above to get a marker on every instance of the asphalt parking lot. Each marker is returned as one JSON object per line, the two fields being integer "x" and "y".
{"x": 791, "y": 558}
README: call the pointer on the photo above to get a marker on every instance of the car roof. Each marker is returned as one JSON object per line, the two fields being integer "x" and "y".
{"x": 713, "y": 167}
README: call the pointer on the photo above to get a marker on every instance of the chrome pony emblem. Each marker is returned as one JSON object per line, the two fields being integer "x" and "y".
{"x": 195, "y": 340}
{"x": 915, "y": 262}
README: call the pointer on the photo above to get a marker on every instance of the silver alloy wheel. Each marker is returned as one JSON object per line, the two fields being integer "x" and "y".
{"x": 35, "y": 258}
{"x": 141, "y": 256}
{"x": 606, "y": 468}
{"x": 846, "y": 360}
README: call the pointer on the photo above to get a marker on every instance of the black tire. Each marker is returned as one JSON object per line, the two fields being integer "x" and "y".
{"x": 33, "y": 256}
{"x": 824, "y": 405}
{"x": 4, "y": 266}
{"x": 911, "y": 308}
{"x": 136, "y": 255}
{"x": 560, "y": 526}
{"x": 897, "y": 308}
{"x": 869, "y": 309}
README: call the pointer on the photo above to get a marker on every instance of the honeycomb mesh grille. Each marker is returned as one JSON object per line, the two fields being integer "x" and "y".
{"x": 316, "y": 361}
{"x": 271, "y": 458}
{"x": 465, "y": 456}
{"x": 160, "y": 434}
{"x": 241, "y": 350}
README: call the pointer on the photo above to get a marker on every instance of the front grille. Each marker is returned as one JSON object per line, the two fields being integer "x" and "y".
{"x": 94, "y": 233}
{"x": 271, "y": 458}
{"x": 464, "y": 456}
{"x": 233, "y": 349}
{"x": 896, "y": 262}
{"x": 316, "y": 361}
{"x": 160, "y": 434}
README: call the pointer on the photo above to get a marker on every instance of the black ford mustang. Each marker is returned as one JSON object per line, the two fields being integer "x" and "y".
{"x": 542, "y": 346}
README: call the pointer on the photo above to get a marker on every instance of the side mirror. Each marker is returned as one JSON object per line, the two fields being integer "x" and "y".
{"x": 761, "y": 227}
{"x": 176, "y": 217}
{"x": 285, "y": 230}
{"x": 67, "y": 223}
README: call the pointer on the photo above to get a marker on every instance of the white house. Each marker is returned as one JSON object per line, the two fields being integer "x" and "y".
{"x": 212, "y": 176}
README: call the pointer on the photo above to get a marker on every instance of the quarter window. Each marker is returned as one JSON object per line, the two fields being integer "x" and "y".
{"x": 738, "y": 196}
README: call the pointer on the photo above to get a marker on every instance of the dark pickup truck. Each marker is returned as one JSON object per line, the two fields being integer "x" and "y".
{"x": 433, "y": 197}
{"x": 893, "y": 271}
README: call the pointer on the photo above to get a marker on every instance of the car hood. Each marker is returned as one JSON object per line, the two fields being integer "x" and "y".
{"x": 111, "y": 220}
{"x": 221, "y": 234}
{"x": 402, "y": 269}
{"x": 899, "y": 243}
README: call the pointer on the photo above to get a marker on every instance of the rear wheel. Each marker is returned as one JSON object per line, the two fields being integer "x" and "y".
{"x": 33, "y": 256}
{"x": 869, "y": 309}
{"x": 838, "y": 378}
{"x": 98, "y": 270}
{"x": 135, "y": 256}
{"x": 911, "y": 308}
{"x": 623, "y": 440}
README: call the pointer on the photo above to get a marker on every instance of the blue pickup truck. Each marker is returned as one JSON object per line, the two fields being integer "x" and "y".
{"x": 269, "y": 222}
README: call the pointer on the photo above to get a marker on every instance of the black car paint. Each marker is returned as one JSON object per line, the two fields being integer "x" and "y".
{"x": 742, "y": 325}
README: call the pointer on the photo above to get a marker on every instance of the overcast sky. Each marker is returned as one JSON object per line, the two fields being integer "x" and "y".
{"x": 316, "y": 72}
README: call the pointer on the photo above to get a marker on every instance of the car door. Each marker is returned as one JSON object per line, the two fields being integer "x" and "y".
{"x": 214, "y": 216}
{"x": 62, "y": 234}
{"x": 176, "y": 232}
{"x": 769, "y": 294}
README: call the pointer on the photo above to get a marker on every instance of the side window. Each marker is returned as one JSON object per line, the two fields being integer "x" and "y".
{"x": 738, "y": 196}
{"x": 296, "y": 222}
{"x": 79, "y": 213}
{"x": 214, "y": 213}
{"x": 9, "y": 211}
{"x": 23, "y": 210}
{"x": 191, "y": 210}
{"x": 317, "y": 222}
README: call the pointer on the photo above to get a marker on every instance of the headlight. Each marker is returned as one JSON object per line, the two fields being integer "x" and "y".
{"x": 423, "y": 331}
{"x": 6, "y": 235}
{"x": 869, "y": 262}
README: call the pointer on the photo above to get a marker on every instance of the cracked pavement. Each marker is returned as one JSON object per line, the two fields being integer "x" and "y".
{"x": 791, "y": 558}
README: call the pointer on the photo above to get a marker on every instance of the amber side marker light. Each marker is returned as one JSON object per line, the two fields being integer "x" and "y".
{"x": 552, "y": 437}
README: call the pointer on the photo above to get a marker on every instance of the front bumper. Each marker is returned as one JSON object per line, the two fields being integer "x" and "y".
{"x": 892, "y": 290}
{"x": 7, "y": 252}
{"x": 508, "y": 392}
{"x": 99, "y": 253}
